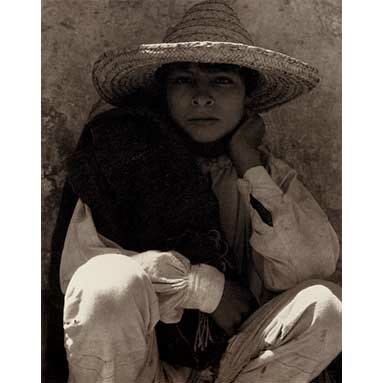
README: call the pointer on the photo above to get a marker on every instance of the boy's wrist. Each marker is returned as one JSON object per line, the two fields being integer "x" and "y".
{"x": 206, "y": 285}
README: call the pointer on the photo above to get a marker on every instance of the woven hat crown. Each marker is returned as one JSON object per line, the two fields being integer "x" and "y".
{"x": 210, "y": 32}
{"x": 209, "y": 21}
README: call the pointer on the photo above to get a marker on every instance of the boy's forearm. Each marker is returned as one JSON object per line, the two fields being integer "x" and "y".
{"x": 300, "y": 244}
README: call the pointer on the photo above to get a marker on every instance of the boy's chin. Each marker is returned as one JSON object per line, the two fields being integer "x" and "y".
{"x": 209, "y": 147}
{"x": 206, "y": 139}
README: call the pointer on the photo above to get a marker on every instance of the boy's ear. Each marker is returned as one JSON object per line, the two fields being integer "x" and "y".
{"x": 246, "y": 115}
{"x": 249, "y": 109}
{"x": 248, "y": 102}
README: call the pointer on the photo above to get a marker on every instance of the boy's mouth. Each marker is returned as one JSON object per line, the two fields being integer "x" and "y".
{"x": 202, "y": 119}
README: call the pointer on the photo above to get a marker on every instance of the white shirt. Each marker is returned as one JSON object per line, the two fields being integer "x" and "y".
{"x": 300, "y": 244}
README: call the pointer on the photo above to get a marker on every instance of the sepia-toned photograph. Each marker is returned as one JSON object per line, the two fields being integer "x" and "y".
{"x": 191, "y": 191}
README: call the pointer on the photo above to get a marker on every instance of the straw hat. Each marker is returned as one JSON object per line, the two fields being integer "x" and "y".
{"x": 210, "y": 32}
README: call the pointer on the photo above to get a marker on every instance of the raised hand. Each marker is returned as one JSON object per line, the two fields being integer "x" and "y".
{"x": 244, "y": 144}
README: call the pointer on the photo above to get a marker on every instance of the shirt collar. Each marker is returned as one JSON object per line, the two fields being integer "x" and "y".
{"x": 211, "y": 165}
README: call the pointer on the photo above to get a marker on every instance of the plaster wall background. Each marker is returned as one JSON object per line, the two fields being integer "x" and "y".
{"x": 306, "y": 132}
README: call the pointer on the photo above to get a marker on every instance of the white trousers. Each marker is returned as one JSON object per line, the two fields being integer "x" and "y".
{"x": 111, "y": 310}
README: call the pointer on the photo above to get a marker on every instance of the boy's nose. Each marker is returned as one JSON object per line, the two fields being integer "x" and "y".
{"x": 202, "y": 100}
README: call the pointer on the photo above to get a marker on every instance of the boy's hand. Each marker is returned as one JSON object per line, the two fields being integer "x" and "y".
{"x": 244, "y": 144}
{"x": 236, "y": 304}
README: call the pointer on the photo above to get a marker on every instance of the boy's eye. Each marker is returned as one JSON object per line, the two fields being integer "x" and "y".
{"x": 223, "y": 80}
{"x": 180, "y": 80}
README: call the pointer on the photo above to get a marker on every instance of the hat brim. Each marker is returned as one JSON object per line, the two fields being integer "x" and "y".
{"x": 118, "y": 74}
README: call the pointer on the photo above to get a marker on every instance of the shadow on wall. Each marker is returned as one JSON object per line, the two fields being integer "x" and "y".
{"x": 57, "y": 143}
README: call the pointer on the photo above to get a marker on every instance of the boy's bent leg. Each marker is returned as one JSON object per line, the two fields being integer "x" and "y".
{"x": 291, "y": 339}
{"x": 109, "y": 317}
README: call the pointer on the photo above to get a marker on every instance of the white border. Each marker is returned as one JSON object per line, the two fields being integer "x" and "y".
{"x": 362, "y": 191}
{"x": 20, "y": 191}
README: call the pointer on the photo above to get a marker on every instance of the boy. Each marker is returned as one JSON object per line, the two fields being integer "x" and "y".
{"x": 191, "y": 248}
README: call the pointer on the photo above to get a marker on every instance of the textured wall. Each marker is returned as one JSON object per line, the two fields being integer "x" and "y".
{"x": 306, "y": 132}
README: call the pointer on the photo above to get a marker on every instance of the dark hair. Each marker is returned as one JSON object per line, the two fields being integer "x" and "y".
{"x": 250, "y": 77}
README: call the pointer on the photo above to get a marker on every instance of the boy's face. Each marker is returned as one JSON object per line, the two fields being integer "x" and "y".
{"x": 206, "y": 101}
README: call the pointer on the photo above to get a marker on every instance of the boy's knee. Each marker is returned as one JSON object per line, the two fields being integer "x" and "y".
{"x": 326, "y": 294}
{"x": 107, "y": 282}
{"x": 327, "y": 320}
{"x": 326, "y": 300}
{"x": 108, "y": 308}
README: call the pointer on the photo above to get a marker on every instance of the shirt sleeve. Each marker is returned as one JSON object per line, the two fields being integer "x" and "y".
{"x": 178, "y": 284}
{"x": 296, "y": 242}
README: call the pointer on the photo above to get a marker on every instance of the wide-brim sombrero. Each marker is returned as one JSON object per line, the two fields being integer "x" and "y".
{"x": 210, "y": 32}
